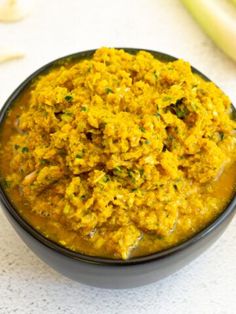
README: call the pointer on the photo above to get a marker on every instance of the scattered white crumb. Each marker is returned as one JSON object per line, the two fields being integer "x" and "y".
{"x": 12, "y": 11}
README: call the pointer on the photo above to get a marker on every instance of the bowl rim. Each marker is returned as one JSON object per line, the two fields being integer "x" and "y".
{"x": 5, "y": 200}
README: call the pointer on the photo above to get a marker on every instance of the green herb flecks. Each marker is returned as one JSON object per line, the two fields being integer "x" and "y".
{"x": 25, "y": 149}
{"x": 221, "y": 135}
{"x": 130, "y": 173}
{"x": 181, "y": 113}
{"x": 84, "y": 109}
{"x": 69, "y": 98}
{"x": 79, "y": 155}
{"x": 142, "y": 129}
{"x": 117, "y": 170}
{"x": 106, "y": 178}
{"x": 44, "y": 162}
{"x": 155, "y": 75}
{"x": 108, "y": 90}
{"x": 68, "y": 113}
{"x": 166, "y": 98}
{"x": 141, "y": 171}
{"x": 6, "y": 184}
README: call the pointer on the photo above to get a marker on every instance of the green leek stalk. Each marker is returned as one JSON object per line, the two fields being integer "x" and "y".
{"x": 218, "y": 20}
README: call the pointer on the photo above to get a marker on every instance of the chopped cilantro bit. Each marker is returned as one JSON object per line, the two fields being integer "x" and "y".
{"x": 147, "y": 142}
{"x": 90, "y": 68}
{"x": 141, "y": 128}
{"x": 181, "y": 113}
{"x": 82, "y": 197}
{"x": 79, "y": 155}
{"x": 25, "y": 149}
{"x": 68, "y": 113}
{"x": 222, "y": 135}
{"x": 44, "y": 162}
{"x": 155, "y": 75}
{"x": 102, "y": 125}
{"x": 117, "y": 169}
{"x": 130, "y": 173}
{"x": 166, "y": 98}
{"x": 84, "y": 108}
{"x": 157, "y": 114}
{"x": 134, "y": 190}
{"x": 62, "y": 152}
{"x": 69, "y": 98}
{"x": 6, "y": 184}
{"x": 141, "y": 171}
{"x": 106, "y": 178}
{"x": 17, "y": 146}
{"x": 108, "y": 90}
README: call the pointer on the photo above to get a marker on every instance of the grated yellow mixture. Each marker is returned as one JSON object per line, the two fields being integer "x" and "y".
{"x": 120, "y": 155}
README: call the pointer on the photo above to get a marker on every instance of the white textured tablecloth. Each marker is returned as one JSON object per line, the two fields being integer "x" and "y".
{"x": 59, "y": 27}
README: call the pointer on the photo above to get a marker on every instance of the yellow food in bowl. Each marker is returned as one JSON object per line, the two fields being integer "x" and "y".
{"x": 120, "y": 155}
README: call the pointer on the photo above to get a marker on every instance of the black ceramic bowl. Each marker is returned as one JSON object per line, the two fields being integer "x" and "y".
{"x": 102, "y": 272}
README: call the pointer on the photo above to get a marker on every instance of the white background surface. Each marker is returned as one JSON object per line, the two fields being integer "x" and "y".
{"x": 59, "y": 27}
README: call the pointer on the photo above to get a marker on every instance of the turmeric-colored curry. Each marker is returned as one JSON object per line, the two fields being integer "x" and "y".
{"x": 119, "y": 155}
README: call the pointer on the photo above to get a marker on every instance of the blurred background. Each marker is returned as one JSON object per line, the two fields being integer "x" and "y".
{"x": 58, "y": 27}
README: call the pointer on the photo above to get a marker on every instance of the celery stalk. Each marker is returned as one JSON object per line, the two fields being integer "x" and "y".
{"x": 218, "y": 20}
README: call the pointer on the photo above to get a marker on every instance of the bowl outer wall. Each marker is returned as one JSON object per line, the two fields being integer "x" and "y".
{"x": 115, "y": 276}
{"x": 87, "y": 264}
